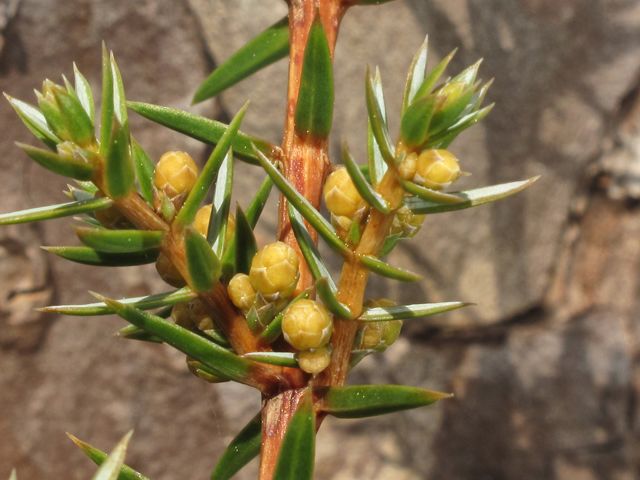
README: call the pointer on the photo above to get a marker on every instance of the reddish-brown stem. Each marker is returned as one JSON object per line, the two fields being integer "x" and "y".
{"x": 305, "y": 158}
{"x": 305, "y": 163}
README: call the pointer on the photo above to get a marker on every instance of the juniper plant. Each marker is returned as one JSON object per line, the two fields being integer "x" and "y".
{"x": 271, "y": 318}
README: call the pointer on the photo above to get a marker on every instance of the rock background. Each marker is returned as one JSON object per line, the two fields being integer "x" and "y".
{"x": 545, "y": 369}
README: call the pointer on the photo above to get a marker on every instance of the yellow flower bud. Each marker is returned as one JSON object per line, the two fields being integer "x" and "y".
{"x": 451, "y": 93}
{"x": 180, "y": 314}
{"x": 407, "y": 169}
{"x": 307, "y": 324}
{"x": 274, "y": 270}
{"x": 378, "y": 335}
{"x": 110, "y": 217}
{"x": 340, "y": 194}
{"x": 201, "y": 222}
{"x": 168, "y": 272}
{"x": 314, "y": 361}
{"x": 437, "y": 169}
{"x": 406, "y": 223}
{"x": 200, "y": 315}
{"x": 241, "y": 292}
{"x": 176, "y": 173}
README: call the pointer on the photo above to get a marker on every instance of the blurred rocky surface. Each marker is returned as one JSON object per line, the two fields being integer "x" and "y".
{"x": 545, "y": 369}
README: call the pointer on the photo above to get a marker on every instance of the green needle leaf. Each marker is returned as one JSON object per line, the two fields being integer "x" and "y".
{"x": 377, "y": 165}
{"x": 119, "y": 101}
{"x": 369, "y": 195}
{"x": 242, "y": 449}
{"x": 107, "y": 113}
{"x": 274, "y": 329}
{"x": 445, "y": 118}
{"x": 470, "y": 198}
{"x": 416, "y": 120}
{"x": 253, "y": 214}
{"x": 444, "y": 138}
{"x": 309, "y": 250}
{"x": 204, "y": 130}
{"x": 55, "y": 211}
{"x": 145, "y": 170}
{"x": 327, "y": 293}
{"x": 14, "y": 475}
{"x": 301, "y": 204}
{"x": 370, "y": 400}
{"x": 263, "y": 50}
{"x": 210, "y": 170}
{"x": 469, "y": 75}
{"x": 325, "y": 286}
{"x": 89, "y": 256}
{"x": 389, "y": 244}
{"x": 204, "y": 350}
{"x": 280, "y": 359}
{"x": 416, "y": 75}
{"x": 429, "y": 194}
{"x": 85, "y": 96}
{"x": 385, "y": 270}
{"x": 74, "y": 116}
{"x": 134, "y": 333}
{"x": 148, "y": 302}
{"x": 431, "y": 79}
{"x": 297, "y": 452}
{"x": 246, "y": 245}
{"x": 120, "y": 172}
{"x": 211, "y": 354}
{"x": 126, "y": 473}
{"x": 314, "y": 110}
{"x": 67, "y": 167}
{"x": 217, "y": 234}
{"x": 119, "y": 241}
{"x": 378, "y": 122}
{"x": 403, "y": 312}
{"x": 35, "y": 121}
{"x": 110, "y": 468}
{"x": 204, "y": 266}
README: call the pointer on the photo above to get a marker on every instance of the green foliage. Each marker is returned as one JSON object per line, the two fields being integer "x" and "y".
{"x": 371, "y": 400}
{"x": 470, "y": 198}
{"x": 90, "y": 256}
{"x": 55, "y": 211}
{"x": 203, "y": 263}
{"x": 119, "y": 241}
{"x": 385, "y": 270}
{"x": 404, "y": 312}
{"x": 263, "y": 50}
{"x": 100, "y": 458}
{"x": 367, "y": 192}
{"x": 314, "y": 109}
{"x": 242, "y": 449}
{"x": 210, "y": 170}
{"x": 302, "y": 205}
{"x": 71, "y": 167}
{"x": 203, "y": 129}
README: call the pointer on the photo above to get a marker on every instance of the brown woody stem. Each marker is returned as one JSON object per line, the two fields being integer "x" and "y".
{"x": 305, "y": 164}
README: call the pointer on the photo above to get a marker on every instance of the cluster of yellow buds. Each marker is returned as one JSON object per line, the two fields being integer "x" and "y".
{"x": 435, "y": 169}
{"x": 377, "y": 336}
{"x": 307, "y": 326}
{"x": 343, "y": 200}
{"x": 272, "y": 279}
